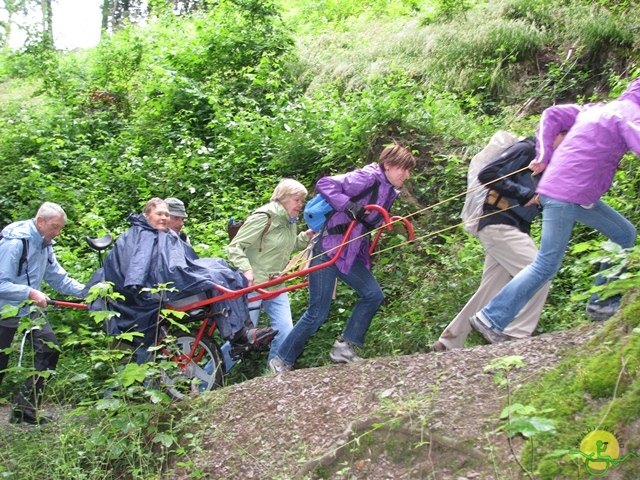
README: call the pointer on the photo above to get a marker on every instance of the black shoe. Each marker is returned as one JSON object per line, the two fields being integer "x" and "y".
{"x": 29, "y": 417}
{"x": 251, "y": 340}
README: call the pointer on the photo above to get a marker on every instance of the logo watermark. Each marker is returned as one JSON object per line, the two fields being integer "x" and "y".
{"x": 601, "y": 451}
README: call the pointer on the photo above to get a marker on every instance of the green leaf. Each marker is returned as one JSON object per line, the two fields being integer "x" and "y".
{"x": 557, "y": 454}
{"x": 101, "y": 315}
{"x": 582, "y": 247}
{"x": 129, "y": 336}
{"x": 157, "y": 396}
{"x": 166, "y": 439}
{"x": 530, "y": 426}
{"x": 518, "y": 409}
{"x": 132, "y": 373}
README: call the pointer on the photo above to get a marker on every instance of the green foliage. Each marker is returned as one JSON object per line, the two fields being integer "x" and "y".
{"x": 448, "y": 9}
{"x": 603, "y": 32}
{"x": 523, "y": 422}
{"x": 519, "y": 419}
{"x": 217, "y": 106}
{"x": 605, "y": 369}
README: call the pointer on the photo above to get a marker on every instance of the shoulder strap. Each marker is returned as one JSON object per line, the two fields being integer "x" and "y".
{"x": 23, "y": 256}
{"x": 266, "y": 229}
{"x": 373, "y": 189}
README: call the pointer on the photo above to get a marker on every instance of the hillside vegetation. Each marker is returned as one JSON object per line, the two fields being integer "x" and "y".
{"x": 214, "y": 108}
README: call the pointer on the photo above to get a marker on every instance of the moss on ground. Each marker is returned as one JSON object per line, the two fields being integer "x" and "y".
{"x": 589, "y": 390}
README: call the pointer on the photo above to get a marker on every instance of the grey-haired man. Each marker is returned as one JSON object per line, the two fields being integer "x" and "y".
{"x": 26, "y": 260}
{"x": 177, "y": 214}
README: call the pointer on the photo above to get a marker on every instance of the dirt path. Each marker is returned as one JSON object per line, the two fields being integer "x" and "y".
{"x": 445, "y": 406}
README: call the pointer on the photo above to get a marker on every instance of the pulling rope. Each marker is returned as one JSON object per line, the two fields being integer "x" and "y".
{"x": 432, "y": 234}
{"x": 302, "y": 258}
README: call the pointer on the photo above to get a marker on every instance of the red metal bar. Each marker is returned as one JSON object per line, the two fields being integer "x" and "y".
{"x": 60, "y": 303}
{"x": 266, "y": 294}
{"x": 233, "y": 294}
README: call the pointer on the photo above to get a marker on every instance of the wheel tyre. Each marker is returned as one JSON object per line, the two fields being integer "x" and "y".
{"x": 199, "y": 376}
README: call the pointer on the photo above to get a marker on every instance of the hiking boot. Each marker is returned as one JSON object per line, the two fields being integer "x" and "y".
{"x": 343, "y": 352}
{"x": 28, "y": 416}
{"x": 277, "y": 365}
{"x": 601, "y": 312}
{"x": 487, "y": 333}
{"x": 255, "y": 336}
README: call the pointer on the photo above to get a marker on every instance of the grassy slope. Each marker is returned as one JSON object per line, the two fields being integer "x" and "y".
{"x": 448, "y": 58}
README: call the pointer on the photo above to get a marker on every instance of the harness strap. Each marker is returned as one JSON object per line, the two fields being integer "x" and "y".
{"x": 369, "y": 226}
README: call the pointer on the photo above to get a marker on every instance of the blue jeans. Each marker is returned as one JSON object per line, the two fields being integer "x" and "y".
{"x": 279, "y": 311}
{"x": 321, "y": 285}
{"x": 558, "y": 218}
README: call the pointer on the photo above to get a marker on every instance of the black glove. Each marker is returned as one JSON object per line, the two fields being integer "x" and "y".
{"x": 355, "y": 211}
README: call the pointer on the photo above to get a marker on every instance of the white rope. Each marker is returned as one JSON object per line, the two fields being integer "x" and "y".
{"x": 24, "y": 340}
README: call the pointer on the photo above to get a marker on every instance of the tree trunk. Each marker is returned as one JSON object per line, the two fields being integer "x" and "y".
{"x": 107, "y": 8}
{"x": 47, "y": 21}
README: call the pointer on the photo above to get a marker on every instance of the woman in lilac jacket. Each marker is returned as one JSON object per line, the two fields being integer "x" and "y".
{"x": 377, "y": 184}
{"x": 576, "y": 176}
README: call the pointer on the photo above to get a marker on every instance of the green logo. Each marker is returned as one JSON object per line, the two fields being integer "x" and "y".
{"x": 601, "y": 451}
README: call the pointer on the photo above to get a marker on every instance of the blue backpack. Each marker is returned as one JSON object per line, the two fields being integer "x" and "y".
{"x": 315, "y": 212}
{"x": 318, "y": 211}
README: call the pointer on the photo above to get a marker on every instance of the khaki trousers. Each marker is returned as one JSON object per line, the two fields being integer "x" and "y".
{"x": 507, "y": 251}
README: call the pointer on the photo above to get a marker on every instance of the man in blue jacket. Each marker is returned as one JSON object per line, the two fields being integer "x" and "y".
{"x": 26, "y": 259}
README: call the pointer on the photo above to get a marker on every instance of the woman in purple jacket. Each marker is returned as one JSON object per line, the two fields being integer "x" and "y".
{"x": 576, "y": 176}
{"x": 381, "y": 182}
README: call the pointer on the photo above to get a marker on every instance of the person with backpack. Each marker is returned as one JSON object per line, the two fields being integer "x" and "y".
{"x": 262, "y": 248}
{"x": 576, "y": 175}
{"x": 503, "y": 229}
{"x": 383, "y": 181}
{"x": 26, "y": 260}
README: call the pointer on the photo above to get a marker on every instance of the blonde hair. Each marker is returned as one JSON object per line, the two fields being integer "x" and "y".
{"x": 288, "y": 188}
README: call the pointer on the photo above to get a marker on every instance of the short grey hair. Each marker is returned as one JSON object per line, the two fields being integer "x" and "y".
{"x": 151, "y": 204}
{"x": 288, "y": 187}
{"x": 49, "y": 210}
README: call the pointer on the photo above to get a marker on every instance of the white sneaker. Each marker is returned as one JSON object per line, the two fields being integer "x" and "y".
{"x": 276, "y": 365}
{"x": 343, "y": 352}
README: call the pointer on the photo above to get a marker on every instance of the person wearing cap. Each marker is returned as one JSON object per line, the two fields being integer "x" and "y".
{"x": 177, "y": 214}
{"x": 149, "y": 254}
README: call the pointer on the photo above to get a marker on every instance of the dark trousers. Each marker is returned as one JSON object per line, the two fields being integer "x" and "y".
{"x": 45, "y": 358}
